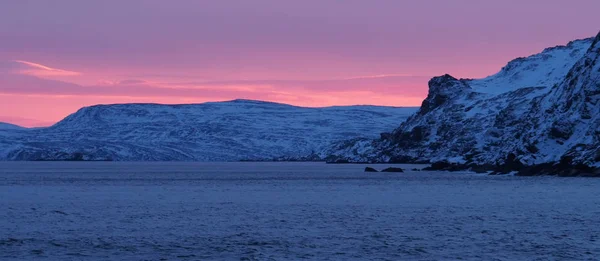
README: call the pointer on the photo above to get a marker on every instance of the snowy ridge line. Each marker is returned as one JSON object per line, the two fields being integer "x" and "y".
{"x": 216, "y": 131}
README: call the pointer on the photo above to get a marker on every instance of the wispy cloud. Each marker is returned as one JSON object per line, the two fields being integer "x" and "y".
{"x": 381, "y": 90}
{"x": 36, "y": 69}
{"x": 380, "y": 76}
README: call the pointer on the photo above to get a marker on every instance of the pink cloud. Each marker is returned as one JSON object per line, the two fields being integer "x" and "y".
{"x": 392, "y": 85}
{"x": 35, "y": 69}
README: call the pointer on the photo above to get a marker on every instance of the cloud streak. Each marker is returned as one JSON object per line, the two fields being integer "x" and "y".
{"x": 392, "y": 85}
{"x": 36, "y": 69}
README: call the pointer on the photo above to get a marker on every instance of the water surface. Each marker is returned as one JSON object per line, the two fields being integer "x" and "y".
{"x": 283, "y": 211}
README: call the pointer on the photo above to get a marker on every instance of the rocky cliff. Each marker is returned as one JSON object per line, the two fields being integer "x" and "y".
{"x": 539, "y": 109}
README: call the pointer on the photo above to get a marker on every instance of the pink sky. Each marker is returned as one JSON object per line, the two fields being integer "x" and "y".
{"x": 57, "y": 56}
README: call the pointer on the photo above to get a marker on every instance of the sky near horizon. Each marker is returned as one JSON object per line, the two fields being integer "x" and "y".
{"x": 57, "y": 56}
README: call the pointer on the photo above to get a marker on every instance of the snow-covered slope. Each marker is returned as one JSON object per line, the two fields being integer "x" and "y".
{"x": 540, "y": 109}
{"x": 221, "y": 131}
{"x": 8, "y": 126}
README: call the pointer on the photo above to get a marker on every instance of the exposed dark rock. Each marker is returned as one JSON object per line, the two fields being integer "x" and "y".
{"x": 549, "y": 169}
{"x": 369, "y": 169}
{"x": 441, "y": 89}
{"x": 561, "y": 130}
{"x": 537, "y": 170}
{"x": 484, "y": 168}
{"x": 404, "y": 160}
{"x": 532, "y": 148}
{"x": 412, "y": 137}
{"x": 446, "y": 166}
{"x": 392, "y": 169}
{"x": 441, "y": 165}
{"x": 339, "y": 161}
{"x": 510, "y": 164}
{"x": 480, "y": 169}
{"x": 385, "y": 136}
{"x": 564, "y": 168}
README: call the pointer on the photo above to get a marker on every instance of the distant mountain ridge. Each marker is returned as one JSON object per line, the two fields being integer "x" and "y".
{"x": 539, "y": 109}
{"x": 9, "y": 126}
{"x": 214, "y": 131}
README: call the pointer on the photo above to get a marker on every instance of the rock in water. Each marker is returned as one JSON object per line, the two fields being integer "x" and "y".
{"x": 393, "y": 170}
{"x": 369, "y": 169}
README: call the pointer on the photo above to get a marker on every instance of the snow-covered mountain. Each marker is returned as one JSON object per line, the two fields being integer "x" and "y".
{"x": 537, "y": 109}
{"x": 8, "y": 126}
{"x": 220, "y": 131}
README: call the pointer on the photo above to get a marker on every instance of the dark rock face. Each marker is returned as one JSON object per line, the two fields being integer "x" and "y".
{"x": 404, "y": 160}
{"x": 446, "y": 166}
{"x": 561, "y": 169}
{"x": 537, "y": 170}
{"x": 339, "y": 161}
{"x": 385, "y": 136}
{"x": 561, "y": 130}
{"x": 369, "y": 169}
{"x": 441, "y": 90}
{"x": 510, "y": 164}
{"x": 393, "y": 170}
{"x": 564, "y": 168}
{"x": 480, "y": 169}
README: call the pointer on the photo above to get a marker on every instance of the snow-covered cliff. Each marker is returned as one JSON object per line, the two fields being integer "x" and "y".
{"x": 541, "y": 108}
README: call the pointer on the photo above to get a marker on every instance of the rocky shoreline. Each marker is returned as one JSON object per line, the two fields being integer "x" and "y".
{"x": 564, "y": 168}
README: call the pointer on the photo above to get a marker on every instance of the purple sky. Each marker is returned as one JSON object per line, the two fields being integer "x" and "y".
{"x": 56, "y": 56}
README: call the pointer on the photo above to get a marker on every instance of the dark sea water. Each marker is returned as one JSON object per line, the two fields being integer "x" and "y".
{"x": 289, "y": 211}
